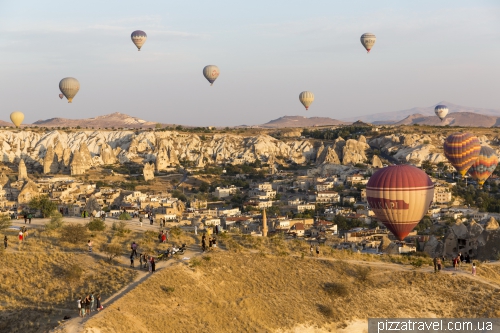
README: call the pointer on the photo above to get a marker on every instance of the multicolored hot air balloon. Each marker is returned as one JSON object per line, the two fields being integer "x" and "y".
{"x": 61, "y": 96}
{"x": 69, "y": 86}
{"x": 138, "y": 38}
{"x": 17, "y": 118}
{"x": 441, "y": 111}
{"x": 484, "y": 166}
{"x": 368, "y": 40}
{"x": 211, "y": 73}
{"x": 462, "y": 150}
{"x": 306, "y": 98}
{"x": 400, "y": 195}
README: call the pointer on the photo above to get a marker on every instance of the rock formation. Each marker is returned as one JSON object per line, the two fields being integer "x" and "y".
{"x": 148, "y": 171}
{"x": 3, "y": 179}
{"x": 107, "y": 154}
{"x": 50, "y": 164}
{"x": 86, "y": 156}
{"x": 492, "y": 224}
{"x": 77, "y": 164}
{"x": 354, "y": 151}
{"x": 28, "y": 192}
{"x": 23, "y": 173}
{"x": 376, "y": 162}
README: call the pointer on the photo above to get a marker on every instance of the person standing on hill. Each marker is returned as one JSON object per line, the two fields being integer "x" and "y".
{"x": 195, "y": 230}
{"x": 5, "y": 240}
{"x": 134, "y": 249}
{"x": 150, "y": 264}
{"x": 89, "y": 244}
{"x": 203, "y": 243}
{"x": 435, "y": 264}
{"x": 98, "y": 302}
{"x": 153, "y": 265}
{"x": 163, "y": 237}
{"x": 25, "y": 218}
{"x": 82, "y": 307}
{"x": 317, "y": 250}
{"x": 20, "y": 236}
{"x": 132, "y": 260}
{"x": 79, "y": 304}
{"x": 87, "y": 305}
{"x": 439, "y": 264}
{"x": 29, "y": 218}
{"x": 311, "y": 249}
{"x": 474, "y": 268}
{"x": 92, "y": 300}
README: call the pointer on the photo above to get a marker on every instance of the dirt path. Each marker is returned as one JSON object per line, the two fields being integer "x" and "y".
{"x": 76, "y": 324}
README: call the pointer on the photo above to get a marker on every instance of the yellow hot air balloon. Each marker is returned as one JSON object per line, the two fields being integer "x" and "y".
{"x": 306, "y": 98}
{"x": 69, "y": 86}
{"x": 17, "y": 118}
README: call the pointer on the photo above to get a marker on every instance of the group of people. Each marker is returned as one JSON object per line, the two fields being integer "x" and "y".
{"x": 27, "y": 217}
{"x": 163, "y": 236}
{"x": 457, "y": 261}
{"x": 212, "y": 242}
{"x": 312, "y": 249}
{"x": 145, "y": 261}
{"x": 23, "y": 234}
{"x": 89, "y": 304}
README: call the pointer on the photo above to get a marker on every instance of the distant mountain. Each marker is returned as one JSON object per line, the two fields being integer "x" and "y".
{"x": 110, "y": 120}
{"x": 5, "y": 123}
{"x": 396, "y": 116}
{"x": 467, "y": 119}
{"x": 300, "y": 121}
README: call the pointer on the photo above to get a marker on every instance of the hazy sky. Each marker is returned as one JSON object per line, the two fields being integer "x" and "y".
{"x": 267, "y": 51}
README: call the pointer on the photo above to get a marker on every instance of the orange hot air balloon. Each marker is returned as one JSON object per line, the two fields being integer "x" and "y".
{"x": 484, "y": 166}
{"x": 400, "y": 195}
{"x": 462, "y": 150}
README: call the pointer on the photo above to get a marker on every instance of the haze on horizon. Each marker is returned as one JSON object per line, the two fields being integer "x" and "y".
{"x": 267, "y": 52}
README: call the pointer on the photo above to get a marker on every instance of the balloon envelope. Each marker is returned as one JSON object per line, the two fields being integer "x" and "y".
{"x": 61, "y": 96}
{"x": 368, "y": 40}
{"x": 69, "y": 86}
{"x": 441, "y": 111}
{"x": 211, "y": 73}
{"x": 306, "y": 98}
{"x": 462, "y": 150}
{"x": 484, "y": 166}
{"x": 138, "y": 38}
{"x": 400, "y": 195}
{"x": 17, "y": 118}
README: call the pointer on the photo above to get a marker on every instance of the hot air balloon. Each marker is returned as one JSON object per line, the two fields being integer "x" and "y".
{"x": 400, "y": 195}
{"x": 368, "y": 40}
{"x": 484, "y": 166}
{"x": 441, "y": 111}
{"x": 139, "y": 38}
{"x": 61, "y": 96}
{"x": 211, "y": 73}
{"x": 17, "y": 118}
{"x": 306, "y": 98}
{"x": 69, "y": 86}
{"x": 462, "y": 150}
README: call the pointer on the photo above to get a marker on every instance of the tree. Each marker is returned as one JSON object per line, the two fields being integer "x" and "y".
{"x": 96, "y": 224}
{"x": 112, "y": 250}
{"x": 55, "y": 222}
{"x": 74, "y": 233}
{"x": 44, "y": 204}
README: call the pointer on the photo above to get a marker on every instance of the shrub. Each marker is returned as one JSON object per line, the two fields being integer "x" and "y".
{"x": 336, "y": 288}
{"x": 362, "y": 273}
{"x": 120, "y": 228}
{"x": 112, "y": 250}
{"x": 195, "y": 263}
{"x": 124, "y": 216}
{"x": 5, "y": 222}
{"x": 56, "y": 221}
{"x": 74, "y": 233}
{"x": 96, "y": 225}
{"x": 175, "y": 231}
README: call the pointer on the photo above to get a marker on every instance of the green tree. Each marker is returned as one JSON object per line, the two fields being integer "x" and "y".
{"x": 5, "y": 221}
{"x": 55, "y": 222}
{"x": 44, "y": 204}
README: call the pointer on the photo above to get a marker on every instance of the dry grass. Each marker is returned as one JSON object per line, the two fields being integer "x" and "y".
{"x": 241, "y": 292}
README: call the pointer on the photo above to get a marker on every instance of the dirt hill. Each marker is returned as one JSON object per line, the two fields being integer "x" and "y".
{"x": 252, "y": 292}
{"x": 467, "y": 119}
{"x": 300, "y": 121}
{"x": 110, "y": 120}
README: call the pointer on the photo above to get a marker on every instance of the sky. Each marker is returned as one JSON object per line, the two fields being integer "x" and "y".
{"x": 268, "y": 51}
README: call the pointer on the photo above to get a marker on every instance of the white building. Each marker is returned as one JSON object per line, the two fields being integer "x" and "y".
{"x": 327, "y": 197}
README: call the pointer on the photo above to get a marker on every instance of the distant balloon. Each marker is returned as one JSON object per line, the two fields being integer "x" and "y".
{"x": 61, "y": 96}
{"x": 306, "y": 98}
{"x": 139, "y": 38}
{"x": 69, "y": 86}
{"x": 211, "y": 73}
{"x": 400, "y": 195}
{"x": 441, "y": 111}
{"x": 17, "y": 118}
{"x": 462, "y": 150}
{"x": 484, "y": 166}
{"x": 368, "y": 40}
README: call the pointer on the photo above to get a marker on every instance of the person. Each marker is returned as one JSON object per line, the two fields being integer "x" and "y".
{"x": 79, "y": 304}
{"x": 25, "y": 218}
{"x": 311, "y": 249}
{"x": 151, "y": 219}
{"x": 214, "y": 241}
{"x": 474, "y": 268}
{"x": 168, "y": 235}
{"x": 150, "y": 265}
{"x": 435, "y": 264}
{"x": 20, "y": 236}
{"x": 89, "y": 244}
{"x": 25, "y": 234}
{"x": 203, "y": 243}
{"x": 145, "y": 260}
{"x": 92, "y": 300}
{"x": 317, "y": 250}
{"x": 82, "y": 307}
{"x": 5, "y": 240}
{"x": 159, "y": 236}
{"x": 140, "y": 261}
{"x": 87, "y": 305}
{"x": 29, "y": 218}
{"x": 98, "y": 302}
{"x": 163, "y": 237}
{"x": 439, "y": 264}
{"x": 209, "y": 242}
{"x": 132, "y": 260}
{"x": 467, "y": 258}
{"x": 134, "y": 249}
{"x": 153, "y": 265}
{"x": 462, "y": 258}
